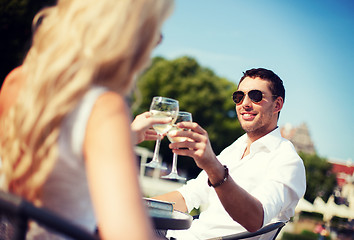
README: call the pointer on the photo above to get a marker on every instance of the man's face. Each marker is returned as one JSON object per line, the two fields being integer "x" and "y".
{"x": 257, "y": 119}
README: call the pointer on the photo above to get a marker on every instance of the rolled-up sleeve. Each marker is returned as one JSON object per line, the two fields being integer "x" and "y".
{"x": 195, "y": 191}
{"x": 280, "y": 193}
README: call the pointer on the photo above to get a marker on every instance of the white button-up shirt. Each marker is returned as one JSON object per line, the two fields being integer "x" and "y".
{"x": 272, "y": 172}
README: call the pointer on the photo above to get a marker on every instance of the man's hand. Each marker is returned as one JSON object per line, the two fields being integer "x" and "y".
{"x": 198, "y": 146}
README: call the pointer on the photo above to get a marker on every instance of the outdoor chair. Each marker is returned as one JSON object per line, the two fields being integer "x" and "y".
{"x": 268, "y": 232}
{"x": 16, "y": 212}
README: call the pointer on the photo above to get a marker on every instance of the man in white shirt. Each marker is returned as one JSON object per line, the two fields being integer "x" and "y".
{"x": 256, "y": 180}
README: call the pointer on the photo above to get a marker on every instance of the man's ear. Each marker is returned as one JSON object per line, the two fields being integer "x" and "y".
{"x": 278, "y": 104}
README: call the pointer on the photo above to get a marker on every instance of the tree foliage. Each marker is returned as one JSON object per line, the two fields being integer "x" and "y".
{"x": 199, "y": 91}
{"x": 320, "y": 181}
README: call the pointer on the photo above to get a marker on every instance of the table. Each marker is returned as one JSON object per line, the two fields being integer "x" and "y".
{"x": 170, "y": 220}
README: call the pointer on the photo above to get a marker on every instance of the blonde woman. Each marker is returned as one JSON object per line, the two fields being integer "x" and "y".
{"x": 68, "y": 141}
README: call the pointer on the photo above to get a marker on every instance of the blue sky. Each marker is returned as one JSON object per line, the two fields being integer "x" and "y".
{"x": 308, "y": 43}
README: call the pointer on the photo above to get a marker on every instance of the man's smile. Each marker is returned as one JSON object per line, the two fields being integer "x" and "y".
{"x": 248, "y": 116}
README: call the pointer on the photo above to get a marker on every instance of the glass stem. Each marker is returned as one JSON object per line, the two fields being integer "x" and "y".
{"x": 157, "y": 149}
{"x": 174, "y": 163}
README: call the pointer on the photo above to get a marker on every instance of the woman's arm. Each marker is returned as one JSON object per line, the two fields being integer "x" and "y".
{"x": 112, "y": 172}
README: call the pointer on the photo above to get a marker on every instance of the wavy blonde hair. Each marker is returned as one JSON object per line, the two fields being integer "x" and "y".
{"x": 79, "y": 43}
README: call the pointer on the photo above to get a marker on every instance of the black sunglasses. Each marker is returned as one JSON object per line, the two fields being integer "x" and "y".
{"x": 255, "y": 95}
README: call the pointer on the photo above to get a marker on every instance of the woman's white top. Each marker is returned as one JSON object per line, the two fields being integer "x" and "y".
{"x": 66, "y": 191}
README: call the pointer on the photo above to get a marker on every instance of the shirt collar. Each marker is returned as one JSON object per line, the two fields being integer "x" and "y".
{"x": 269, "y": 141}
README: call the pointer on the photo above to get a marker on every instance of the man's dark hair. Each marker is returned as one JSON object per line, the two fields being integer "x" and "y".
{"x": 276, "y": 84}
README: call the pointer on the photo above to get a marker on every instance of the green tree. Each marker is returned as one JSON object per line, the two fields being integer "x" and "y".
{"x": 320, "y": 181}
{"x": 199, "y": 91}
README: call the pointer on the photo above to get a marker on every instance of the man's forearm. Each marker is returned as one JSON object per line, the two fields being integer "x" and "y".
{"x": 240, "y": 205}
{"x": 175, "y": 197}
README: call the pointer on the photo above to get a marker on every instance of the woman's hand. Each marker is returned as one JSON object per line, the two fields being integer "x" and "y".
{"x": 142, "y": 127}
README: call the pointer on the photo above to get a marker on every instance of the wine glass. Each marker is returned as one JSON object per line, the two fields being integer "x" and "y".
{"x": 162, "y": 107}
{"x": 182, "y": 117}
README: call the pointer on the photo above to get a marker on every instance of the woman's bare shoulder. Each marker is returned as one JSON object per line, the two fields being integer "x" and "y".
{"x": 109, "y": 104}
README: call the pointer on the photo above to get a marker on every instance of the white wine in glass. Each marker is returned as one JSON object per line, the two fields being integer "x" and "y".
{"x": 162, "y": 107}
{"x": 182, "y": 117}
